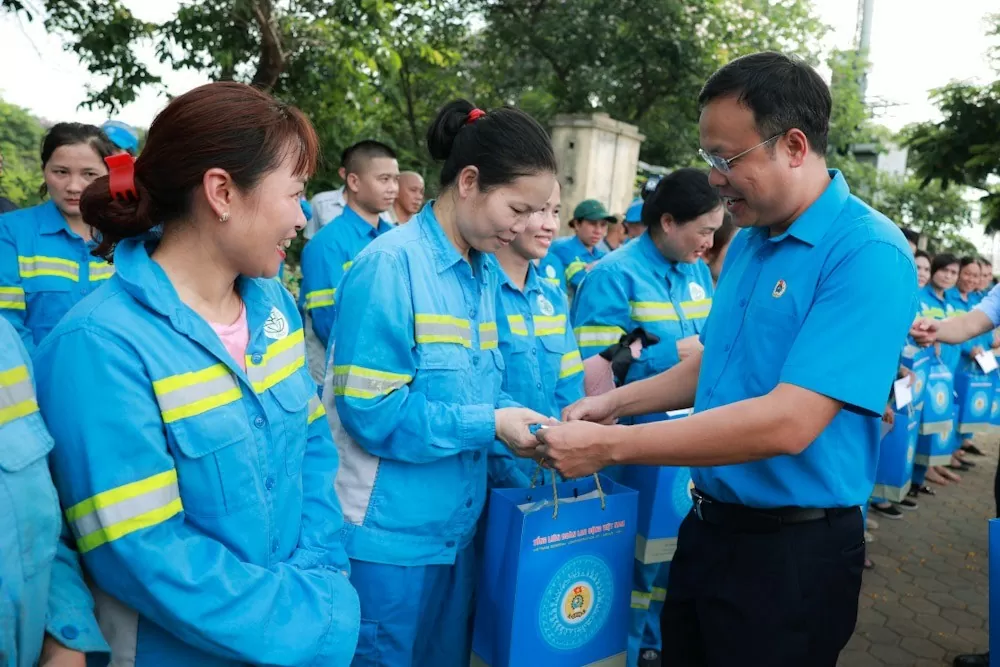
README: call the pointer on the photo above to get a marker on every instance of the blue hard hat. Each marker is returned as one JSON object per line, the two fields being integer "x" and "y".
{"x": 634, "y": 212}
{"x": 122, "y": 135}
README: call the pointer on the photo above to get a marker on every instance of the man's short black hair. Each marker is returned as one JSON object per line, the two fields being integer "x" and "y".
{"x": 783, "y": 92}
{"x": 355, "y": 158}
{"x": 911, "y": 236}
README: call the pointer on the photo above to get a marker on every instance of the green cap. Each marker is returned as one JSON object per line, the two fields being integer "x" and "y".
{"x": 592, "y": 209}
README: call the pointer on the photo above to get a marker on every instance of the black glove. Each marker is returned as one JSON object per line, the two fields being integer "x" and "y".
{"x": 620, "y": 354}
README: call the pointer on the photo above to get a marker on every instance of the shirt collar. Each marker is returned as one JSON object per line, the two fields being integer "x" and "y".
{"x": 361, "y": 226}
{"x": 51, "y": 219}
{"x": 533, "y": 283}
{"x": 813, "y": 224}
{"x": 660, "y": 265}
{"x": 445, "y": 254}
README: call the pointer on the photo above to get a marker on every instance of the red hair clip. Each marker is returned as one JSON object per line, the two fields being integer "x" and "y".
{"x": 474, "y": 115}
{"x": 121, "y": 176}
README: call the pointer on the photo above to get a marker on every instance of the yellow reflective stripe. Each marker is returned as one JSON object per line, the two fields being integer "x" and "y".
{"x": 113, "y": 514}
{"x": 640, "y": 600}
{"x": 40, "y": 265}
{"x": 316, "y": 409}
{"x": 653, "y": 311}
{"x": 488, "y": 337}
{"x": 570, "y": 364}
{"x": 189, "y": 394}
{"x": 936, "y": 313}
{"x": 346, "y": 265}
{"x": 17, "y": 395}
{"x": 696, "y": 310}
{"x": 598, "y": 335}
{"x": 441, "y": 329}
{"x": 549, "y": 325}
{"x": 517, "y": 325}
{"x": 12, "y": 298}
{"x": 101, "y": 271}
{"x": 360, "y": 382}
{"x": 575, "y": 267}
{"x": 553, "y": 281}
{"x": 659, "y": 594}
{"x": 320, "y": 298}
{"x": 281, "y": 359}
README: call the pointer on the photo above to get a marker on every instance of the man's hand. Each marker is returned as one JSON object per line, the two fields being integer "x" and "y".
{"x": 889, "y": 416}
{"x": 924, "y": 331}
{"x": 512, "y": 428}
{"x": 905, "y": 372}
{"x": 598, "y": 409}
{"x": 576, "y": 448}
{"x": 55, "y": 654}
{"x": 688, "y": 346}
{"x": 976, "y": 351}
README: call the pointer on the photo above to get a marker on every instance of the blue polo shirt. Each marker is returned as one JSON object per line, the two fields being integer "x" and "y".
{"x": 825, "y": 306}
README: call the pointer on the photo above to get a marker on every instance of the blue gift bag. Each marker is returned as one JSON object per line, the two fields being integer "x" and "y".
{"x": 974, "y": 390}
{"x": 664, "y": 501}
{"x": 555, "y": 590}
{"x": 917, "y": 360}
{"x": 935, "y": 443}
{"x": 895, "y": 458}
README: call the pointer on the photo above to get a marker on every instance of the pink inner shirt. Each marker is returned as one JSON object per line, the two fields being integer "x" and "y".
{"x": 235, "y": 337}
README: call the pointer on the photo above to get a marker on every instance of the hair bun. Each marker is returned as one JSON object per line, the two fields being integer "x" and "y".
{"x": 449, "y": 122}
{"x": 115, "y": 218}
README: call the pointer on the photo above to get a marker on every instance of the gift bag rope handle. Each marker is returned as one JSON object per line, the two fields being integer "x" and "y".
{"x": 555, "y": 490}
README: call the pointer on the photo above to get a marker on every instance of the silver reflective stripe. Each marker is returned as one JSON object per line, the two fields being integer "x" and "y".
{"x": 455, "y": 331}
{"x": 12, "y": 298}
{"x": 570, "y": 364}
{"x": 488, "y": 336}
{"x": 269, "y": 373}
{"x": 640, "y": 600}
{"x": 358, "y": 382}
{"x": 18, "y": 392}
{"x": 648, "y": 311}
{"x": 101, "y": 270}
{"x": 696, "y": 310}
{"x": 31, "y": 267}
{"x": 517, "y": 325}
{"x": 549, "y": 325}
{"x": 104, "y": 517}
{"x": 178, "y": 398}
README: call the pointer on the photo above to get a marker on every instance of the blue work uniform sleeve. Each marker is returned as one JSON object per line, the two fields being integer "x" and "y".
{"x": 70, "y": 618}
{"x": 13, "y": 304}
{"x": 323, "y": 266}
{"x": 575, "y": 272}
{"x": 118, "y": 480}
{"x": 322, "y": 518}
{"x": 374, "y": 363}
{"x": 848, "y": 345}
{"x": 601, "y": 313}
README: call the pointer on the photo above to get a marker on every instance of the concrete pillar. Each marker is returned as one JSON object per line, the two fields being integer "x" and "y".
{"x": 598, "y": 158}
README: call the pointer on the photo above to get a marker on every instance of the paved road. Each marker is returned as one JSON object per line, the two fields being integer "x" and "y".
{"x": 925, "y": 602}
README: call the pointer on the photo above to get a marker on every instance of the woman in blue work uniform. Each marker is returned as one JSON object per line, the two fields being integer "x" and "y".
{"x": 660, "y": 283}
{"x": 934, "y": 303}
{"x": 416, "y": 398}
{"x": 45, "y": 261}
{"x": 544, "y": 370}
{"x": 192, "y": 458}
{"x": 572, "y": 258}
{"x": 46, "y": 611}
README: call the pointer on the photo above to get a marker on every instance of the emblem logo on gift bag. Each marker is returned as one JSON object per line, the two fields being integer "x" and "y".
{"x": 979, "y": 404}
{"x": 683, "y": 485}
{"x": 576, "y": 603}
{"x": 779, "y": 289}
{"x": 940, "y": 398}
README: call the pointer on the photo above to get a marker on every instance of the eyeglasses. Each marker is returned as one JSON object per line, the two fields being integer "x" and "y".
{"x": 722, "y": 164}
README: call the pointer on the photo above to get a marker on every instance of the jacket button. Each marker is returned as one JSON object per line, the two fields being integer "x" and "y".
{"x": 534, "y": 351}
{"x": 475, "y": 360}
{"x": 477, "y": 456}
{"x": 269, "y": 483}
{"x": 256, "y": 359}
{"x": 449, "y": 544}
{"x": 69, "y": 632}
{"x": 538, "y": 385}
{"x": 274, "y": 545}
{"x": 258, "y": 421}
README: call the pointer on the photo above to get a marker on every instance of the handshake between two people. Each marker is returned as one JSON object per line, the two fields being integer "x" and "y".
{"x": 575, "y": 446}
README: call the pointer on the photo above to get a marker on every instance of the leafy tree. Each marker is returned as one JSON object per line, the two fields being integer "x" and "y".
{"x": 20, "y": 143}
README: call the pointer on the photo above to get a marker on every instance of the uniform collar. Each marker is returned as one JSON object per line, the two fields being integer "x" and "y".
{"x": 533, "y": 283}
{"x": 148, "y": 284}
{"x": 445, "y": 254}
{"x": 361, "y": 226}
{"x": 814, "y": 223}
{"x": 51, "y": 220}
{"x": 660, "y": 265}
{"x": 929, "y": 291}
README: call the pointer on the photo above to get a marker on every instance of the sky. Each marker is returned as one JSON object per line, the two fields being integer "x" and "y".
{"x": 916, "y": 45}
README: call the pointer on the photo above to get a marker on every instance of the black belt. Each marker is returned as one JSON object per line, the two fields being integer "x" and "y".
{"x": 751, "y": 520}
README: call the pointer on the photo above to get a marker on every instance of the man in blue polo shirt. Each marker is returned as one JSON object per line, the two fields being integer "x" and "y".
{"x": 800, "y": 350}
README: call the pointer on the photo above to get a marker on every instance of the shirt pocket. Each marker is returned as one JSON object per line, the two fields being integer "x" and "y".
{"x": 767, "y": 339}
{"x": 25, "y": 469}
{"x": 554, "y": 348}
{"x": 293, "y": 395}
{"x": 215, "y": 454}
{"x": 444, "y": 371}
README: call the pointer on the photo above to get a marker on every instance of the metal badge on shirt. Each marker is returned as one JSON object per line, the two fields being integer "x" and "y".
{"x": 276, "y": 326}
{"x": 779, "y": 289}
{"x": 697, "y": 291}
{"x": 545, "y": 305}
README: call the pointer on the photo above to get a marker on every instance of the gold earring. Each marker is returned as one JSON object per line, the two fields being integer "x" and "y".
{"x": 224, "y": 217}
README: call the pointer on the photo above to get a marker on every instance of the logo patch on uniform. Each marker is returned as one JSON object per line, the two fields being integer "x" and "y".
{"x": 550, "y": 271}
{"x": 545, "y": 305}
{"x": 779, "y": 289}
{"x": 697, "y": 291}
{"x": 276, "y": 326}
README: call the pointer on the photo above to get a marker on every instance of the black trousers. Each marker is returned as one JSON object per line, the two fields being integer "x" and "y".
{"x": 787, "y": 598}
